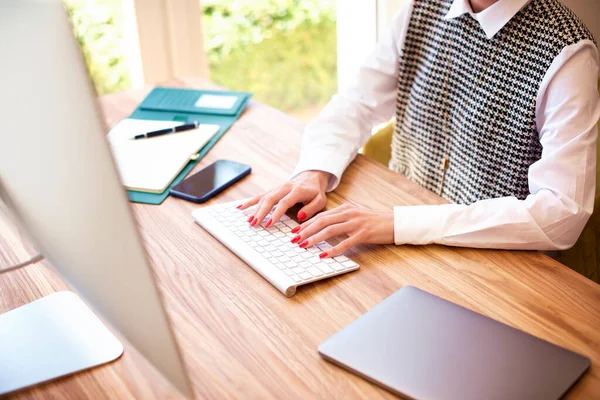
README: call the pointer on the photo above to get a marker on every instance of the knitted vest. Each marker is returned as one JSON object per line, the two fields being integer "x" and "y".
{"x": 465, "y": 117}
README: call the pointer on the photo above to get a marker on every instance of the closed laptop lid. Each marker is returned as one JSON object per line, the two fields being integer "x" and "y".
{"x": 421, "y": 346}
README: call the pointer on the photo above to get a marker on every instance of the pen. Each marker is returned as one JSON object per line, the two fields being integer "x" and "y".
{"x": 180, "y": 128}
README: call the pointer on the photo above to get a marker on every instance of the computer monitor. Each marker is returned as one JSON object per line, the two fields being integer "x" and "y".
{"x": 59, "y": 179}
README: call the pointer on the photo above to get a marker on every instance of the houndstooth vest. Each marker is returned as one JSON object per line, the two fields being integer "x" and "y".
{"x": 465, "y": 117}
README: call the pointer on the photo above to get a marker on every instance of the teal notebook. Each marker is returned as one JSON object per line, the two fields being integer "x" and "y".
{"x": 221, "y": 108}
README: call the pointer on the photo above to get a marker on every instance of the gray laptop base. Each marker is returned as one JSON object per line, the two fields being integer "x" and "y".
{"x": 418, "y": 345}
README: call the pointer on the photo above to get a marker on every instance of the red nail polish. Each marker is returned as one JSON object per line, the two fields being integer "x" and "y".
{"x": 303, "y": 244}
{"x": 323, "y": 255}
{"x": 301, "y": 216}
{"x": 268, "y": 224}
{"x": 295, "y": 239}
{"x": 250, "y": 219}
{"x": 296, "y": 229}
{"x": 239, "y": 207}
{"x": 254, "y": 221}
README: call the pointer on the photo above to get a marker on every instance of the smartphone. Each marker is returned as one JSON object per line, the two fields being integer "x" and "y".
{"x": 210, "y": 181}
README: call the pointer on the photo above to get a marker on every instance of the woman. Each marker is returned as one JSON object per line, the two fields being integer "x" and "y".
{"x": 496, "y": 108}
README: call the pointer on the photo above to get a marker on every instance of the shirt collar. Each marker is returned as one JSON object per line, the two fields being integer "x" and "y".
{"x": 493, "y": 18}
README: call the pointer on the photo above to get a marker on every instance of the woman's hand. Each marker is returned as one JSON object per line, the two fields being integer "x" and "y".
{"x": 307, "y": 187}
{"x": 360, "y": 224}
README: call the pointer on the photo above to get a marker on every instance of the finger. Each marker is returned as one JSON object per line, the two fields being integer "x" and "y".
{"x": 327, "y": 213}
{"x": 266, "y": 204}
{"x": 330, "y": 231}
{"x": 341, "y": 247}
{"x": 320, "y": 223}
{"x": 249, "y": 202}
{"x": 315, "y": 205}
{"x": 282, "y": 206}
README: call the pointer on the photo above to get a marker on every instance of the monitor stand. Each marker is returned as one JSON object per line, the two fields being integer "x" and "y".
{"x": 52, "y": 337}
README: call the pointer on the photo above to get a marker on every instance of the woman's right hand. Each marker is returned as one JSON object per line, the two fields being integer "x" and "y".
{"x": 307, "y": 188}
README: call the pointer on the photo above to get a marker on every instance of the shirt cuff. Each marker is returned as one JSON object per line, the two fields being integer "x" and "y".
{"x": 418, "y": 224}
{"x": 328, "y": 162}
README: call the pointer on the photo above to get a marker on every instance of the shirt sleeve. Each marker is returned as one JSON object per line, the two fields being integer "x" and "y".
{"x": 562, "y": 183}
{"x": 333, "y": 139}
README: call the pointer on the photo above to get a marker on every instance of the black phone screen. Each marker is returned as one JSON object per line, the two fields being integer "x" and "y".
{"x": 211, "y": 180}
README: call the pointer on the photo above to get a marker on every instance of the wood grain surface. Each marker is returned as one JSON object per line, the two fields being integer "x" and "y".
{"x": 241, "y": 338}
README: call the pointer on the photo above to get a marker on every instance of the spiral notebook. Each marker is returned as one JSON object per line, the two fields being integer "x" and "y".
{"x": 150, "y": 165}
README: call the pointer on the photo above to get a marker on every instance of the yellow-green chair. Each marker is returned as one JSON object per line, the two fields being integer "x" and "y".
{"x": 583, "y": 257}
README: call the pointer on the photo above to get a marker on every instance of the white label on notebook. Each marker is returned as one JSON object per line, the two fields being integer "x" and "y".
{"x": 216, "y": 101}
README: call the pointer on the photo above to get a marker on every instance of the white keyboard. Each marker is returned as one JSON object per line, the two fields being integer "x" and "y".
{"x": 269, "y": 251}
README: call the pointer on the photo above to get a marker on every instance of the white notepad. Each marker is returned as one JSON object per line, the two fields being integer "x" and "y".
{"x": 150, "y": 165}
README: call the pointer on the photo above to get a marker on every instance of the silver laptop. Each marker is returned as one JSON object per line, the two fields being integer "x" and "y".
{"x": 417, "y": 345}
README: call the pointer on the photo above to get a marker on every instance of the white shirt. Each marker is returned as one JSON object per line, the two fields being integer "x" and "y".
{"x": 562, "y": 183}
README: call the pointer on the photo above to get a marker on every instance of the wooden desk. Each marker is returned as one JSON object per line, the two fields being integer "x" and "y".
{"x": 241, "y": 338}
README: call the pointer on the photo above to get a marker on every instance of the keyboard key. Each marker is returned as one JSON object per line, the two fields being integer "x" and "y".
{"x": 296, "y": 278}
{"x": 276, "y": 253}
{"x": 279, "y": 234}
{"x": 272, "y": 229}
{"x": 291, "y": 264}
{"x": 314, "y": 271}
{"x": 324, "y": 267}
{"x": 286, "y": 229}
{"x": 271, "y": 238}
{"x": 305, "y": 275}
{"x": 337, "y": 266}
{"x": 298, "y": 270}
{"x": 341, "y": 258}
{"x": 279, "y": 225}
{"x": 270, "y": 249}
{"x": 283, "y": 259}
{"x": 328, "y": 260}
{"x": 306, "y": 254}
{"x": 291, "y": 223}
{"x": 305, "y": 264}
{"x": 264, "y": 233}
{"x": 349, "y": 264}
{"x": 284, "y": 218}
{"x": 265, "y": 254}
{"x": 262, "y": 243}
{"x": 290, "y": 253}
{"x": 314, "y": 250}
{"x": 314, "y": 260}
{"x": 298, "y": 259}
{"x": 289, "y": 272}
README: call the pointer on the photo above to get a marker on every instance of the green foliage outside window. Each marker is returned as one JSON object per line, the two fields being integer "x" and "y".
{"x": 98, "y": 27}
{"x": 283, "y": 51}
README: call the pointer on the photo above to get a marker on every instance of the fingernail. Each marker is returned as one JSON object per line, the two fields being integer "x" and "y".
{"x": 250, "y": 219}
{"x": 296, "y": 229}
{"x": 254, "y": 221}
{"x": 268, "y": 224}
{"x": 323, "y": 255}
{"x": 303, "y": 244}
{"x": 301, "y": 216}
{"x": 239, "y": 207}
{"x": 296, "y": 238}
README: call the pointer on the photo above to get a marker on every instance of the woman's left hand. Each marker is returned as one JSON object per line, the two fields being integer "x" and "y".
{"x": 360, "y": 224}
